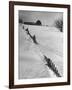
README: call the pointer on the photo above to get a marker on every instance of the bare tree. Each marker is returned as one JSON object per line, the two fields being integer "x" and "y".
{"x": 59, "y": 24}
{"x": 20, "y": 20}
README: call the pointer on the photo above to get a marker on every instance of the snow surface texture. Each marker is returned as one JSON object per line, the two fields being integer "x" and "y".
{"x": 31, "y": 63}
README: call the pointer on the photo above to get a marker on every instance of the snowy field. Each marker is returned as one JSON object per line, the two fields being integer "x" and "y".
{"x": 50, "y": 43}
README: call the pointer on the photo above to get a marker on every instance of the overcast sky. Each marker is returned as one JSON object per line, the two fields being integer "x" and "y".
{"x": 46, "y": 18}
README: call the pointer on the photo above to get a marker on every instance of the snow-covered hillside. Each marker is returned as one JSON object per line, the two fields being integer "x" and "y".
{"x": 50, "y": 44}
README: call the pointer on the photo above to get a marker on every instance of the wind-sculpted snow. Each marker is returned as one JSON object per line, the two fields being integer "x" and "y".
{"x": 31, "y": 59}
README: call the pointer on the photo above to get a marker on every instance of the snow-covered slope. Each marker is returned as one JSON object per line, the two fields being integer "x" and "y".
{"x": 50, "y": 44}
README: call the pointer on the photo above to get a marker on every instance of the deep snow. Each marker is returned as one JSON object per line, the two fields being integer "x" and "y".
{"x": 50, "y": 42}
